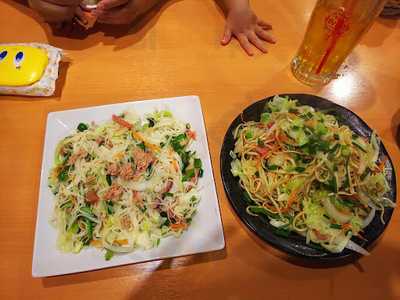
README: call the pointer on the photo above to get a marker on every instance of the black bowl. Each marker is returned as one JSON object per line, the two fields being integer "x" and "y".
{"x": 295, "y": 245}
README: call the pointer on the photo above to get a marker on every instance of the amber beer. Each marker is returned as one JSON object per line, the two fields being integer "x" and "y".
{"x": 334, "y": 30}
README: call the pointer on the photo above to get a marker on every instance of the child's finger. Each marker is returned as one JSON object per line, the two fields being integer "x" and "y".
{"x": 262, "y": 34}
{"x": 264, "y": 25}
{"x": 227, "y": 36}
{"x": 257, "y": 42}
{"x": 244, "y": 42}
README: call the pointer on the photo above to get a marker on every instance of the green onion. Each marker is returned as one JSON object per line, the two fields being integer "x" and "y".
{"x": 87, "y": 210}
{"x": 307, "y": 116}
{"x": 300, "y": 169}
{"x": 109, "y": 179}
{"x": 109, "y": 207}
{"x": 109, "y": 254}
{"x": 82, "y": 127}
{"x": 179, "y": 142}
{"x": 347, "y": 202}
{"x": 249, "y": 134}
{"x": 74, "y": 228}
{"x": 262, "y": 211}
{"x": 334, "y": 148}
{"x": 67, "y": 204}
{"x": 332, "y": 184}
{"x": 282, "y": 231}
{"x": 142, "y": 146}
{"x": 248, "y": 198}
{"x": 296, "y": 128}
{"x": 163, "y": 214}
{"x": 320, "y": 129}
{"x": 336, "y": 226}
{"x": 359, "y": 146}
{"x": 265, "y": 117}
{"x": 151, "y": 122}
{"x": 188, "y": 175}
{"x": 365, "y": 174}
{"x": 89, "y": 231}
{"x": 272, "y": 167}
{"x": 185, "y": 157}
{"x": 316, "y": 246}
{"x": 197, "y": 163}
{"x": 63, "y": 175}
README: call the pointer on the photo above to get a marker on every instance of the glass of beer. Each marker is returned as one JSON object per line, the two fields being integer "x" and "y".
{"x": 334, "y": 30}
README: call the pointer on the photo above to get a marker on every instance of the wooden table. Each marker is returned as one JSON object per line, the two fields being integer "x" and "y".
{"x": 178, "y": 53}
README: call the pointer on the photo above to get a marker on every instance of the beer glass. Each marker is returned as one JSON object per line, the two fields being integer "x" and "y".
{"x": 334, "y": 30}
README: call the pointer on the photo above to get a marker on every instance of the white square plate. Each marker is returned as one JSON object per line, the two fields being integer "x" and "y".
{"x": 204, "y": 234}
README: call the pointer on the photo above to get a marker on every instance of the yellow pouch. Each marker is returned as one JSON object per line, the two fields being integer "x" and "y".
{"x": 28, "y": 69}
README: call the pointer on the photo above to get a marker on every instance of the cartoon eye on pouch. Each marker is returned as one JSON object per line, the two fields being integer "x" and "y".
{"x": 18, "y": 59}
{"x": 3, "y": 54}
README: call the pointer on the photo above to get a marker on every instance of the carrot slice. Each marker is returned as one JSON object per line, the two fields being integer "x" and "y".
{"x": 382, "y": 164}
{"x": 121, "y": 122}
{"x": 292, "y": 199}
{"x": 96, "y": 243}
{"x": 121, "y": 242}
{"x": 139, "y": 137}
{"x": 178, "y": 226}
{"x": 262, "y": 151}
{"x": 191, "y": 134}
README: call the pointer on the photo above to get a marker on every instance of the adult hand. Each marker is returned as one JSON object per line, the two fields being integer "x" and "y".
{"x": 55, "y": 11}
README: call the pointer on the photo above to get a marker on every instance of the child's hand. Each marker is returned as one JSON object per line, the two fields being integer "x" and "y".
{"x": 55, "y": 11}
{"x": 248, "y": 29}
{"x": 122, "y": 11}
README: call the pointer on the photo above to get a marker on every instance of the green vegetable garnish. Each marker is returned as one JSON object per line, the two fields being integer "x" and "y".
{"x": 63, "y": 175}
{"x": 248, "y": 135}
{"x": 89, "y": 231}
{"x": 151, "y": 122}
{"x": 188, "y": 175}
{"x": 336, "y": 226}
{"x": 265, "y": 117}
{"x": 197, "y": 163}
{"x": 281, "y": 231}
{"x": 82, "y": 127}
{"x": 179, "y": 142}
{"x": 109, "y": 179}
{"x": 142, "y": 146}
{"x": 109, "y": 254}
